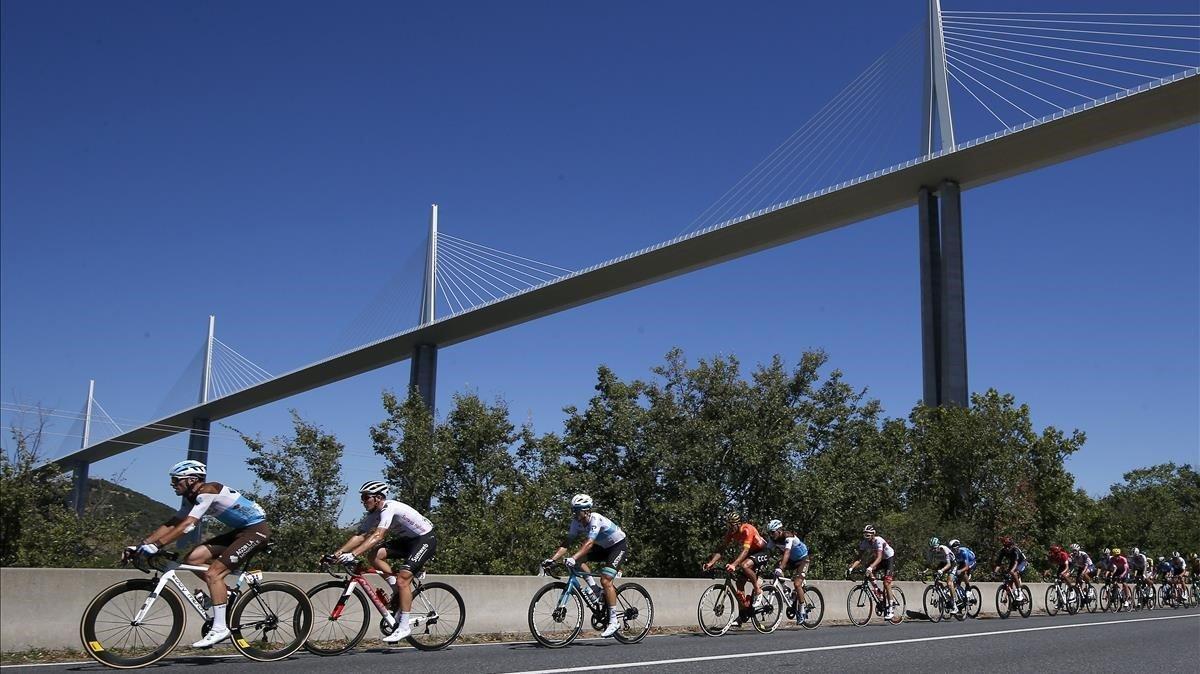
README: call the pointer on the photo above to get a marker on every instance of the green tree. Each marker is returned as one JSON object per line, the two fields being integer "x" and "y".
{"x": 301, "y": 474}
{"x": 406, "y": 441}
{"x": 1155, "y": 508}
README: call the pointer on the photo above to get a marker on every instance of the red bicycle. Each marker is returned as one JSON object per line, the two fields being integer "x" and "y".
{"x": 341, "y": 611}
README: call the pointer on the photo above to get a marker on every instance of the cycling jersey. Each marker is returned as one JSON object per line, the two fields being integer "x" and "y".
{"x": 1104, "y": 563}
{"x": 1009, "y": 557}
{"x": 965, "y": 557}
{"x": 792, "y": 543}
{"x": 227, "y": 506}
{"x": 599, "y": 528}
{"x": 1081, "y": 560}
{"x": 1120, "y": 566}
{"x": 400, "y": 519}
{"x": 1163, "y": 568}
{"x": 875, "y": 544}
{"x": 1138, "y": 562}
{"x": 940, "y": 556}
{"x": 1177, "y": 565}
{"x": 1059, "y": 559}
{"x": 747, "y": 536}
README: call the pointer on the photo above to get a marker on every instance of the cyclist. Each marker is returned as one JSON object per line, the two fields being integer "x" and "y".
{"x": 1139, "y": 565}
{"x": 964, "y": 562}
{"x": 1081, "y": 561}
{"x": 752, "y": 556}
{"x": 942, "y": 557}
{"x": 1104, "y": 565}
{"x": 1179, "y": 574}
{"x": 1194, "y": 565}
{"x": 605, "y": 543}
{"x": 1013, "y": 561}
{"x": 795, "y": 559}
{"x": 1120, "y": 574}
{"x": 412, "y": 540}
{"x": 1060, "y": 563}
{"x": 883, "y": 558}
{"x": 248, "y": 530}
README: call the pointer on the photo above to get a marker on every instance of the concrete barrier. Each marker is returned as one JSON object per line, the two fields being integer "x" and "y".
{"x": 41, "y": 608}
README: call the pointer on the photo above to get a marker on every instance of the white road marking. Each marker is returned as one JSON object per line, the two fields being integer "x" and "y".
{"x": 814, "y": 649}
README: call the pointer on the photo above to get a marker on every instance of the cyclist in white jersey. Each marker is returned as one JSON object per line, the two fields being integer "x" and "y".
{"x": 883, "y": 559}
{"x": 605, "y": 543}
{"x": 248, "y": 531}
{"x": 411, "y": 539}
{"x": 941, "y": 559}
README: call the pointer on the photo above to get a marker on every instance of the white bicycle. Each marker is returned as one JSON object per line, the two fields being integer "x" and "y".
{"x": 136, "y": 623}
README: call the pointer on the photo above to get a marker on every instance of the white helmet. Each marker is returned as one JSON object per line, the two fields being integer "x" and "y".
{"x": 1137, "y": 551}
{"x": 188, "y": 468}
{"x": 955, "y": 544}
{"x": 773, "y": 526}
{"x": 1074, "y": 547}
{"x": 374, "y": 487}
{"x": 581, "y": 502}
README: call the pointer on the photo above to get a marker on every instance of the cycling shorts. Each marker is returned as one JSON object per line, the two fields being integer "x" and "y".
{"x": 758, "y": 559}
{"x": 610, "y": 557}
{"x": 1139, "y": 574}
{"x": 887, "y": 568}
{"x": 415, "y": 552}
{"x": 238, "y": 545}
{"x": 793, "y": 563}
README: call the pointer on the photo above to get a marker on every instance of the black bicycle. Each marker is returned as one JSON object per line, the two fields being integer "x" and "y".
{"x": 723, "y": 605}
{"x": 867, "y": 598}
{"x": 939, "y": 603}
{"x": 1009, "y": 597}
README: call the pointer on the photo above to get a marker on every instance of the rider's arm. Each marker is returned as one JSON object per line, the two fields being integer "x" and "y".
{"x": 875, "y": 562}
{"x": 371, "y": 540}
{"x": 171, "y": 534}
{"x": 351, "y": 544}
{"x": 562, "y": 550}
{"x": 162, "y": 530}
{"x": 787, "y": 554}
{"x": 584, "y": 549}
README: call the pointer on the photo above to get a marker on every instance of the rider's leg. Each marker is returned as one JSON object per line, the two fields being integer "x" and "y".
{"x": 748, "y": 571}
{"x": 610, "y": 589}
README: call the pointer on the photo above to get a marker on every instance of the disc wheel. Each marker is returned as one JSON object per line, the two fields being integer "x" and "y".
{"x": 552, "y": 625}
{"x": 767, "y": 618}
{"x": 340, "y": 621}
{"x": 814, "y": 604}
{"x": 717, "y": 610}
{"x": 109, "y": 635}
{"x": 860, "y": 605}
{"x": 443, "y": 612}
{"x": 637, "y": 613}
{"x": 271, "y": 621}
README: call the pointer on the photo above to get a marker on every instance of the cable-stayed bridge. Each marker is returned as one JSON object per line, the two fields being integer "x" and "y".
{"x": 1059, "y": 85}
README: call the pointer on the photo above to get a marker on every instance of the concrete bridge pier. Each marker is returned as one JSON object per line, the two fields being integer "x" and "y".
{"x": 423, "y": 375}
{"x": 943, "y": 315}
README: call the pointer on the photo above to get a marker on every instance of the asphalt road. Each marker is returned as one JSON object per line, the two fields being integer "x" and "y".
{"x": 1164, "y": 640}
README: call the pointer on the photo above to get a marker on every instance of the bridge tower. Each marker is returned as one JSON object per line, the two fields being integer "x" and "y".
{"x": 199, "y": 435}
{"x": 423, "y": 372}
{"x": 79, "y": 471}
{"x": 939, "y": 207}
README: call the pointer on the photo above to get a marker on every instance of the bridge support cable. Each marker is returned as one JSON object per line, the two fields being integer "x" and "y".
{"x": 1023, "y": 66}
{"x": 943, "y": 313}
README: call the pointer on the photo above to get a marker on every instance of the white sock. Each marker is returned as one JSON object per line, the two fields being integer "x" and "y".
{"x": 219, "y": 617}
{"x": 403, "y": 619}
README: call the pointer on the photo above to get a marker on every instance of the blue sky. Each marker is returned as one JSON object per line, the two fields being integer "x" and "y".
{"x": 273, "y": 164}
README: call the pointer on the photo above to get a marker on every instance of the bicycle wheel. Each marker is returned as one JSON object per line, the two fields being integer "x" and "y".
{"x": 1053, "y": 604}
{"x": 717, "y": 610}
{"x": 270, "y": 621}
{"x": 1106, "y": 598}
{"x": 637, "y": 613}
{"x": 1087, "y": 595}
{"x": 899, "y": 606}
{"x": 339, "y": 620}
{"x": 860, "y": 605}
{"x": 1071, "y": 600}
{"x": 974, "y": 601}
{"x": 935, "y": 608}
{"x": 1004, "y": 602}
{"x": 555, "y": 621}
{"x": 1025, "y": 605}
{"x": 442, "y": 614}
{"x": 766, "y": 620}
{"x": 814, "y": 606}
{"x": 109, "y": 636}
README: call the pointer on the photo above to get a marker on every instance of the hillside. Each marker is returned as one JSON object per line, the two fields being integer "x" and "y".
{"x": 146, "y": 513}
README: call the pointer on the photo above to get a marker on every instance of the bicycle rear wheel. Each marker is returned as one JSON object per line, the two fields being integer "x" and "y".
{"x": 637, "y": 613}
{"x": 111, "y": 639}
{"x": 814, "y": 606}
{"x": 974, "y": 601}
{"x": 765, "y": 621}
{"x": 443, "y": 613}
{"x": 899, "y": 606}
{"x": 1088, "y": 597}
{"x": 340, "y": 621}
{"x": 935, "y": 608}
{"x": 717, "y": 610}
{"x": 270, "y": 621}
{"x": 1025, "y": 605}
{"x": 1071, "y": 599}
{"x": 860, "y": 605}
{"x": 555, "y": 626}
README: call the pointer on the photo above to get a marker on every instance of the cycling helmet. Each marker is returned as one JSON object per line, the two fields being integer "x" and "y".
{"x": 733, "y": 517}
{"x": 1006, "y": 541}
{"x": 934, "y": 542}
{"x": 1161, "y": 558}
{"x": 1107, "y": 551}
{"x": 581, "y": 502}
{"x": 1116, "y": 552}
{"x": 1074, "y": 547}
{"x": 1137, "y": 551}
{"x": 869, "y": 531}
{"x": 773, "y": 526}
{"x": 374, "y": 487}
{"x": 955, "y": 544}
{"x": 188, "y": 468}
{"x": 1174, "y": 555}
{"x": 1194, "y": 555}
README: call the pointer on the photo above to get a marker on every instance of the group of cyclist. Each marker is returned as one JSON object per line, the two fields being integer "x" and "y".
{"x": 392, "y": 530}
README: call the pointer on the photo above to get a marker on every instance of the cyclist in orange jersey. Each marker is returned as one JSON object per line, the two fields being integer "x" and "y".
{"x": 751, "y": 556}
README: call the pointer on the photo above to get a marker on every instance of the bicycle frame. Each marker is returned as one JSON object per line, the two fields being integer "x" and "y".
{"x": 169, "y": 575}
{"x": 356, "y": 581}
{"x": 574, "y": 584}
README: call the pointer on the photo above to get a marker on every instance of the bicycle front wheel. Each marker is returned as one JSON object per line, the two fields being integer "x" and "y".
{"x": 340, "y": 620}
{"x": 271, "y": 621}
{"x": 935, "y": 608}
{"x": 1088, "y": 597}
{"x": 767, "y": 618}
{"x": 1004, "y": 602}
{"x": 974, "y": 601}
{"x": 555, "y": 621}
{"x": 442, "y": 614}
{"x": 717, "y": 610}
{"x": 637, "y": 613}
{"x": 814, "y": 606}
{"x": 1053, "y": 602}
{"x": 860, "y": 605}
{"x": 109, "y": 635}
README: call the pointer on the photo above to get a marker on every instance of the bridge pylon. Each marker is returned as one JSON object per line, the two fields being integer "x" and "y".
{"x": 79, "y": 471}
{"x": 423, "y": 364}
{"x": 199, "y": 434}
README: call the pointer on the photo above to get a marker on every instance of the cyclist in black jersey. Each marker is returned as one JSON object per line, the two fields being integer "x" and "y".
{"x": 1012, "y": 560}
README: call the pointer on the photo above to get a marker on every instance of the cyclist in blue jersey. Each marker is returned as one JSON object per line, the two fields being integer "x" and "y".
{"x": 795, "y": 559}
{"x": 248, "y": 530}
{"x": 964, "y": 558}
{"x": 604, "y": 543}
